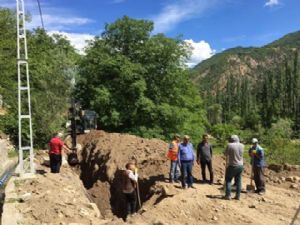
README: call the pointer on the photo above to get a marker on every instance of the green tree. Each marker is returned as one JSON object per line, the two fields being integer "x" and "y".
{"x": 50, "y": 61}
{"x": 138, "y": 83}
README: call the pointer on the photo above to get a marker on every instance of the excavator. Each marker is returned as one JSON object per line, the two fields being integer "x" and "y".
{"x": 80, "y": 121}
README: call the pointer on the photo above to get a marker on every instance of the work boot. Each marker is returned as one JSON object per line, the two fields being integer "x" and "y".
{"x": 227, "y": 197}
{"x": 193, "y": 187}
{"x": 237, "y": 198}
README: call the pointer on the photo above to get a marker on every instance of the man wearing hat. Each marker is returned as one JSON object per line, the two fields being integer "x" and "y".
{"x": 235, "y": 166}
{"x": 256, "y": 152}
{"x": 173, "y": 156}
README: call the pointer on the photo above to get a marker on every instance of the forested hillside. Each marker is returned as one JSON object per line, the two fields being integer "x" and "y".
{"x": 138, "y": 83}
{"x": 253, "y": 86}
{"x": 255, "y": 92}
{"x": 52, "y": 63}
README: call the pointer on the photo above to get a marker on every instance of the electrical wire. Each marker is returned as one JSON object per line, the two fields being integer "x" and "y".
{"x": 41, "y": 14}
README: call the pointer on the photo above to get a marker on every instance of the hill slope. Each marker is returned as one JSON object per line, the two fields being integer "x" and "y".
{"x": 263, "y": 79}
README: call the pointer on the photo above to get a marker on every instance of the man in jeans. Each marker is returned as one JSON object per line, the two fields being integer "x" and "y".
{"x": 173, "y": 156}
{"x": 234, "y": 161}
{"x": 256, "y": 152}
{"x": 56, "y": 145}
{"x": 204, "y": 158}
{"x": 186, "y": 161}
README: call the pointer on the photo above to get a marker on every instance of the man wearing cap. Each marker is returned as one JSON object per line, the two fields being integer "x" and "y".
{"x": 173, "y": 156}
{"x": 186, "y": 161}
{"x": 234, "y": 161}
{"x": 56, "y": 145}
{"x": 256, "y": 152}
{"x": 204, "y": 158}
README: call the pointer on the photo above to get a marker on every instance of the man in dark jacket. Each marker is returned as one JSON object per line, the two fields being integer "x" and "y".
{"x": 129, "y": 186}
{"x": 204, "y": 158}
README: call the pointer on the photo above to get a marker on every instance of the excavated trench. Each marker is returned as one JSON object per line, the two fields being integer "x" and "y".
{"x": 101, "y": 169}
{"x": 106, "y": 193}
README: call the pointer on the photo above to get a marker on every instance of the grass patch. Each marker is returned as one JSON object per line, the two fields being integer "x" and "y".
{"x": 13, "y": 153}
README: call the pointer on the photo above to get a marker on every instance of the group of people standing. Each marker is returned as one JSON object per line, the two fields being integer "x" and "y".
{"x": 182, "y": 155}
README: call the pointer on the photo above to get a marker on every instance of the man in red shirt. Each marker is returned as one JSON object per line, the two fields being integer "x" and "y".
{"x": 56, "y": 145}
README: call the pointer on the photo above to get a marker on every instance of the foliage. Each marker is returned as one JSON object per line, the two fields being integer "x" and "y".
{"x": 223, "y": 132}
{"x": 50, "y": 60}
{"x": 138, "y": 83}
{"x": 280, "y": 149}
{"x": 259, "y": 85}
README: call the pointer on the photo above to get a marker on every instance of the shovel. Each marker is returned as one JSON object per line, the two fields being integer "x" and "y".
{"x": 138, "y": 195}
{"x": 250, "y": 187}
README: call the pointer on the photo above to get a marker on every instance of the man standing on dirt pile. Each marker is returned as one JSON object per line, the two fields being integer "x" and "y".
{"x": 173, "y": 156}
{"x": 56, "y": 145}
{"x": 256, "y": 152}
{"x": 234, "y": 161}
{"x": 204, "y": 158}
{"x": 129, "y": 185}
{"x": 186, "y": 161}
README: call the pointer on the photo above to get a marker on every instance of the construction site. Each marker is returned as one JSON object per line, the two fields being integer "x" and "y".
{"x": 88, "y": 189}
{"x": 90, "y": 193}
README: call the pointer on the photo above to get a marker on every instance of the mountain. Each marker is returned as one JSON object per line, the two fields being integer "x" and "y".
{"x": 245, "y": 81}
{"x": 242, "y": 62}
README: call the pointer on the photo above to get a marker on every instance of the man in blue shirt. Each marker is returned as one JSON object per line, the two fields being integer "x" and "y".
{"x": 256, "y": 153}
{"x": 186, "y": 161}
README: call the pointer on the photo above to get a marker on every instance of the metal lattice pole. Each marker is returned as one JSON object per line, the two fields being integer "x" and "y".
{"x": 24, "y": 107}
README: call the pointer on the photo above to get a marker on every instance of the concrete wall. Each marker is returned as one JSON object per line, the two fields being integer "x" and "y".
{"x": 5, "y": 162}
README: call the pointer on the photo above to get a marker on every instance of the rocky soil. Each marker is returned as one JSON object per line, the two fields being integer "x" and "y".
{"x": 65, "y": 199}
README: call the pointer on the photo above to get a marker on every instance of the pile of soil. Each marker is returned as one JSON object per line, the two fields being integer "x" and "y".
{"x": 51, "y": 198}
{"x": 65, "y": 199}
{"x": 103, "y": 157}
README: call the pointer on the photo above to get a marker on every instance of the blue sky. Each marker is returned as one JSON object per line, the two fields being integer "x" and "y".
{"x": 210, "y": 26}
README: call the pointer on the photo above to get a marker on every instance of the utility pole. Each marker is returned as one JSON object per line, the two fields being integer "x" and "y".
{"x": 24, "y": 106}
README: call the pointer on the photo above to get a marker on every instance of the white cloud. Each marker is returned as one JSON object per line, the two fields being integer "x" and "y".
{"x": 271, "y": 3}
{"x": 58, "y": 22}
{"x": 78, "y": 40}
{"x": 200, "y": 51}
{"x": 55, "y": 18}
{"x": 181, "y": 10}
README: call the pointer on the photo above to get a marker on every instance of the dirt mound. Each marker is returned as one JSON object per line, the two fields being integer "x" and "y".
{"x": 62, "y": 199}
{"x": 51, "y": 198}
{"x": 103, "y": 157}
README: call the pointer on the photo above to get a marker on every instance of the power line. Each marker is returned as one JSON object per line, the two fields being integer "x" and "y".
{"x": 41, "y": 14}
